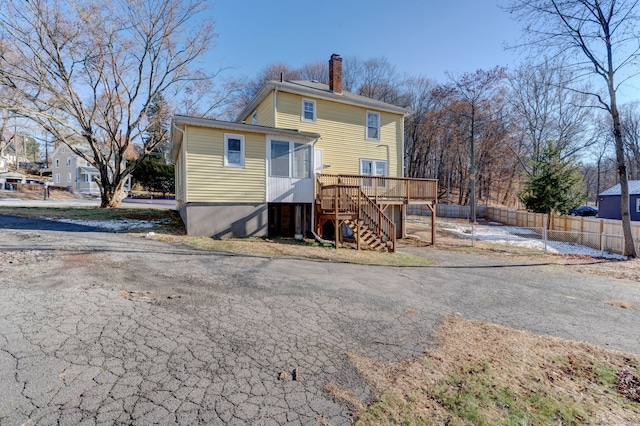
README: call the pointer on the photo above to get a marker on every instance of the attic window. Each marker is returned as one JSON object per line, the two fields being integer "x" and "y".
{"x": 233, "y": 150}
{"x": 254, "y": 118}
{"x": 308, "y": 110}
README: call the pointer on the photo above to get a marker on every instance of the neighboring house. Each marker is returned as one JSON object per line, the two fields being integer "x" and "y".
{"x": 70, "y": 170}
{"x": 9, "y": 179}
{"x": 609, "y": 202}
{"x": 302, "y": 157}
{"x": 10, "y": 159}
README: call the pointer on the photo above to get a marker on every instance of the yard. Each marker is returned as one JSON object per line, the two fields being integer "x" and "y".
{"x": 130, "y": 328}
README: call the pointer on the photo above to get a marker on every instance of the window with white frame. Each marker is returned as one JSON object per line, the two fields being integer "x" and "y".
{"x": 254, "y": 118}
{"x": 290, "y": 159}
{"x": 637, "y": 205}
{"x": 373, "y": 168}
{"x": 57, "y": 163}
{"x": 280, "y": 158}
{"x": 233, "y": 150}
{"x": 64, "y": 149}
{"x": 308, "y": 110}
{"x": 68, "y": 177}
{"x": 373, "y": 125}
{"x": 57, "y": 177}
{"x": 68, "y": 161}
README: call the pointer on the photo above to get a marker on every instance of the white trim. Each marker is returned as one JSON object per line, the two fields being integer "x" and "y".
{"x": 228, "y": 136}
{"x": 302, "y": 114}
{"x": 57, "y": 177}
{"x": 69, "y": 177}
{"x": 366, "y": 125}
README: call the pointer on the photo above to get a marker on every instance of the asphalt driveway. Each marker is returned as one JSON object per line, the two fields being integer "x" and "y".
{"x": 98, "y": 327}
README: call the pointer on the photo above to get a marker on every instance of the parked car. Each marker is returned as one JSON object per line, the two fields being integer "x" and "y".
{"x": 584, "y": 211}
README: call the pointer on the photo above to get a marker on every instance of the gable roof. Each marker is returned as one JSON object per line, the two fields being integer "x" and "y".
{"x": 176, "y": 137}
{"x": 317, "y": 90}
{"x": 634, "y": 189}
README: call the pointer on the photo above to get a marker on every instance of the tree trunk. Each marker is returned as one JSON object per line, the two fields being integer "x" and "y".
{"x": 629, "y": 248}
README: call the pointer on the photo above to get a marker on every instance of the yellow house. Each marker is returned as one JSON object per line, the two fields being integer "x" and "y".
{"x": 302, "y": 157}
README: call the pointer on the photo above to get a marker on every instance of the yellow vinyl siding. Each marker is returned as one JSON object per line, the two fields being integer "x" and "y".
{"x": 343, "y": 130}
{"x": 266, "y": 115}
{"x": 180, "y": 175}
{"x": 209, "y": 181}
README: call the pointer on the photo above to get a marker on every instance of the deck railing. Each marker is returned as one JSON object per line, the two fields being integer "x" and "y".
{"x": 351, "y": 200}
{"x": 406, "y": 190}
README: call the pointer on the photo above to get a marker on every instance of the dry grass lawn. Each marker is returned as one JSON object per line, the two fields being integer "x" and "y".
{"x": 484, "y": 374}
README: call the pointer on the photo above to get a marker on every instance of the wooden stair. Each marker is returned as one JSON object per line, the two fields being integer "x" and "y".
{"x": 367, "y": 236}
{"x": 349, "y": 204}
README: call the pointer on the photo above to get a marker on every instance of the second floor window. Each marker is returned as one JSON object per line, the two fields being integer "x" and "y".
{"x": 68, "y": 161}
{"x": 308, "y": 110}
{"x": 373, "y": 126}
{"x": 233, "y": 150}
{"x": 57, "y": 163}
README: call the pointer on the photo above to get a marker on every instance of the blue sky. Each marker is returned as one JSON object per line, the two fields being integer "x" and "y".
{"x": 419, "y": 37}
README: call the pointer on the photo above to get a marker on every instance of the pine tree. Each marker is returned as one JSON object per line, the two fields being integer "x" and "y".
{"x": 556, "y": 186}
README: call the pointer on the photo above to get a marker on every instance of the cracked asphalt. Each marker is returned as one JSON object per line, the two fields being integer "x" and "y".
{"x": 104, "y": 328}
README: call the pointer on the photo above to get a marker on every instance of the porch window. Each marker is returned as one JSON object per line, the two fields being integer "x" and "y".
{"x": 373, "y": 126}
{"x": 308, "y": 110}
{"x": 301, "y": 161}
{"x": 233, "y": 150}
{"x": 290, "y": 159}
{"x": 280, "y": 158}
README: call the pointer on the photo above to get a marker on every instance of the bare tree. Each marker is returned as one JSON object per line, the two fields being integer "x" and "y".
{"x": 90, "y": 70}
{"x": 315, "y": 71}
{"x": 474, "y": 91}
{"x": 602, "y": 39}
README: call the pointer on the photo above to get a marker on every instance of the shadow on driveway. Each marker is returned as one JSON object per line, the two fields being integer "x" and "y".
{"x": 23, "y": 223}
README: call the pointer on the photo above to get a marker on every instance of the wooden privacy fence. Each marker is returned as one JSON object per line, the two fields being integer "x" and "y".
{"x": 594, "y": 232}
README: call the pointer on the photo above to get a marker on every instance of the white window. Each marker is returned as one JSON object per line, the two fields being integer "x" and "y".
{"x": 308, "y": 110}
{"x": 68, "y": 161}
{"x": 233, "y": 150}
{"x": 638, "y": 205}
{"x": 373, "y": 126}
{"x": 57, "y": 163}
{"x": 290, "y": 159}
{"x": 280, "y": 158}
{"x": 88, "y": 164}
{"x": 57, "y": 177}
{"x": 254, "y": 118}
{"x": 87, "y": 178}
{"x": 301, "y": 160}
{"x": 68, "y": 177}
{"x": 64, "y": 149}
{"x": 373, "y": 167}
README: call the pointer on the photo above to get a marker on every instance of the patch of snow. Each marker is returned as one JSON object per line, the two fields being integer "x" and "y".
{"x": 524, "y": 237}
{"x": 114, "y": 225}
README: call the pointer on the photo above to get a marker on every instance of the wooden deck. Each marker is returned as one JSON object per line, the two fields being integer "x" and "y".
{"x": 361, "y": 202}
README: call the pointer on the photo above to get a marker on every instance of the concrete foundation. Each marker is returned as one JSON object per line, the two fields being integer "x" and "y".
{"x": 224, "y": 220}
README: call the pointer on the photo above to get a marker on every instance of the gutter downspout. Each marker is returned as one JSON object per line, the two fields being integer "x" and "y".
{"x": 313, "y": 209}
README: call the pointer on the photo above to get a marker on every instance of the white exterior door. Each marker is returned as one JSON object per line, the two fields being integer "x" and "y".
{"x": 289, "y": 171}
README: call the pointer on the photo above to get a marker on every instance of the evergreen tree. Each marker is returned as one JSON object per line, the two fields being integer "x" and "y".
{"x": 557, "y": 185}
{"x": 157, "y": 132}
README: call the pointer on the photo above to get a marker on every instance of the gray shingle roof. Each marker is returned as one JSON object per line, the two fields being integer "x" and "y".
{"x": 317, "y": 90}
{"x": 634, "y": 189}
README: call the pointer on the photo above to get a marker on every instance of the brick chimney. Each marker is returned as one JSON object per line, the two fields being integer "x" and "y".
{"x": 335, "y": 74}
